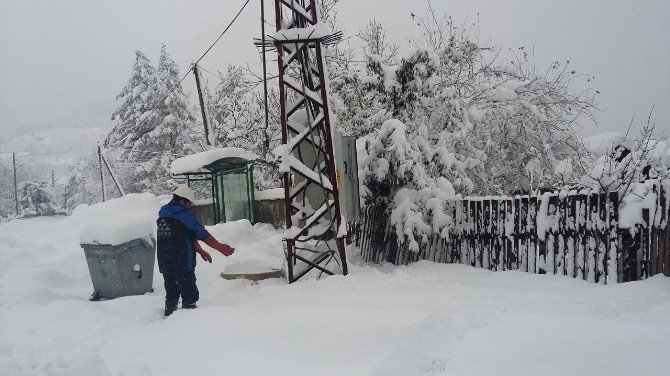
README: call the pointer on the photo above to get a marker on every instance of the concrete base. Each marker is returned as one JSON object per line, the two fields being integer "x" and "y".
{"x": 274, "y": 273}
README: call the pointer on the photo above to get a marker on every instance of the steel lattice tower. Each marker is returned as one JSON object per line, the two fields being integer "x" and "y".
{"x": 314, "y": 237}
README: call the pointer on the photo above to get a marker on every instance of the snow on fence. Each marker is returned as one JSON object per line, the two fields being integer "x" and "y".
{"x": 576, "y": 234}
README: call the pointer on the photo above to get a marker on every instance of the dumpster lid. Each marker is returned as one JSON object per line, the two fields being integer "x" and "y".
{"x": 121, "y": 220}
{"x": 116, "y": 232}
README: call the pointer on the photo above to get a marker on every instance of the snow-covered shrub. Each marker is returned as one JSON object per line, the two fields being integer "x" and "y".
{"x": 391, "y": 161}
{"x": 402, "y": 172}
{"x": 418, "y": 213}
{"x": 619, "y": 162}
{"x": 36, "y": 199}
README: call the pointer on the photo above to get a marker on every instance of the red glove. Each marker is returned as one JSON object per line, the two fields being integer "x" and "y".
{"x": 223, "y": 248}
{"x": 205, "y": 256}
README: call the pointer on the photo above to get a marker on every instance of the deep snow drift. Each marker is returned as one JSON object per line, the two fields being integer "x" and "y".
{"x": 425, "y": 319}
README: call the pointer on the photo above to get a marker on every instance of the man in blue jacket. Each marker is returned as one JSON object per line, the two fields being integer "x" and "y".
{"x": 178, "y": 232}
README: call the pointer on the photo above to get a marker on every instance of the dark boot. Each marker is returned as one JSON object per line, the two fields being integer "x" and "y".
{"x": 170, "y": 306}
{"x": 189, "y": 306}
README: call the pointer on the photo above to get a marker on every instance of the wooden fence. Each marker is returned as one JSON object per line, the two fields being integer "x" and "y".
{"x": 575, "y": 234}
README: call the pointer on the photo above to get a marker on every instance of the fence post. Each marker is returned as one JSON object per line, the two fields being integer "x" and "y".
{"x": 485, "y": 234}
{"x": 532, "y": 234}
{"x": 643, "y": 252}
{"x": 592, "y": 238}
{"x": 666, "y": 233}
{"x": 562, "y": 254}
{"x": 514, "y": 259}
{"x": 523, "y": 234}
{"x": 553, "y": 235}
{"x": 541, "y": 262}
{"x": 614, "y": 271}
{"x": 495, "y": 235}
{"x": 472, "y": 225}
{"x": 603, "y": 236}
{"x": 582, "y": 215}
{"x": 571, "y": 239}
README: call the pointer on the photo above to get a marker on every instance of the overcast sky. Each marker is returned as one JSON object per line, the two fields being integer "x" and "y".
{"x": 63, "y": 62}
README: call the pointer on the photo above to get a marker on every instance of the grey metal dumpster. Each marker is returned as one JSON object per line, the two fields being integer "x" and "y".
{"x": 121, "y": 270}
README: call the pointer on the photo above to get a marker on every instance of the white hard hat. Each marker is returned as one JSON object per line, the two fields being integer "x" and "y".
{"x": 184, "y": 191}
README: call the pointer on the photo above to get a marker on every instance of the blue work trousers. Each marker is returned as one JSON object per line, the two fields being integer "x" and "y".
{"x": 181, "y": 284}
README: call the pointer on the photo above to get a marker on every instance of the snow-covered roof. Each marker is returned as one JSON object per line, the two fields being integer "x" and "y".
{"x": 195, "y": 162}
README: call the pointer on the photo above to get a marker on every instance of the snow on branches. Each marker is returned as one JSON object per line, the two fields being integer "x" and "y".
{"x": 397, "y": 169}
{"x": 155, "y": 124}
{"x": 36, "y": 198}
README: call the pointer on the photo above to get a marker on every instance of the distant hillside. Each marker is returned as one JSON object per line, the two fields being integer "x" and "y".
{"x": 54, "y": 148}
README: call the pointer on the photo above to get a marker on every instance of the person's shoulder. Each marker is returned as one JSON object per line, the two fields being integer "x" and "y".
{"x": 188, "y": 213}
{"x": 167, "y": 209}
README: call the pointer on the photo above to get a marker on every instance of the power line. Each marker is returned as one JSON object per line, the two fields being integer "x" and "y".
{"x": 41, "y": 154}
{"x": 161, "y": 102}
{"x": 224, "y": 31}
{"x": 30, "y": 155}
{"x": 203, "y": 68}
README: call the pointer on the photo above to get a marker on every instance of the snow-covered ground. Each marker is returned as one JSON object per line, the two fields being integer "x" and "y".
{"x": 424, "y": 319}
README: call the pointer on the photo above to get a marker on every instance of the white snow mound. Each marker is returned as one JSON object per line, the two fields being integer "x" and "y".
{"x": 119, "y": 220}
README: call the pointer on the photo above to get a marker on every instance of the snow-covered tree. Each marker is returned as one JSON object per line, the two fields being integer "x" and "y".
{"x": 160, "y": 127}
{"x": 134, "y": 103}
{"x": 36, "y": 198}
{"x": 508, "y": 126}
{"x": 23, "y": 173}
{"x": 6, "y": 190}
{"x": 73, "y": 191}
{"x": 449, "y": 118}
{"x": 173, "y": 131}
{"x": 375, "y": 43}
{"x": 237, "y": 116}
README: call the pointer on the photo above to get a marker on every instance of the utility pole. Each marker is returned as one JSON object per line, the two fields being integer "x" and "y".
{"x": 266, "y": 137}
{"x": 83, "y": 186}
{"x": 102, "y": 176}
{"x": 202, "y": 103}
{"x": 53, "y": 179}
{"x": 114, "y": 179}
{"x": 16, "y": 190}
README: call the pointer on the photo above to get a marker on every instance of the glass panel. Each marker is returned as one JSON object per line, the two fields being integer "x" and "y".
{"x": 220, "y": 197}
{"x": 235, "y": 195}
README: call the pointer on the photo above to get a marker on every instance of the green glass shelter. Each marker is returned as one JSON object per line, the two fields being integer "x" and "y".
{"x": 230, "y": 174}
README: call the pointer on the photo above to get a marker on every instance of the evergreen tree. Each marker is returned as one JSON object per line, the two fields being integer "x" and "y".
{"x": 237, "y": 111}
{"x": 36, "y": 198}
{"x": 160, "y": 125}
{"x": 172, "y": 130}
{"x": 73, "y": 194}
{"x": 6, "y": 190}
{"x": 134, "y": 103}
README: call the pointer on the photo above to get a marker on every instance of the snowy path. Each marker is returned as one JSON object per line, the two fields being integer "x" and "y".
{"x": 426, "y": 319}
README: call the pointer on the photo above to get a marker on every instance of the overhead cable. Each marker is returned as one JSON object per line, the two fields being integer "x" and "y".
{"x": 223, "y": 32}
